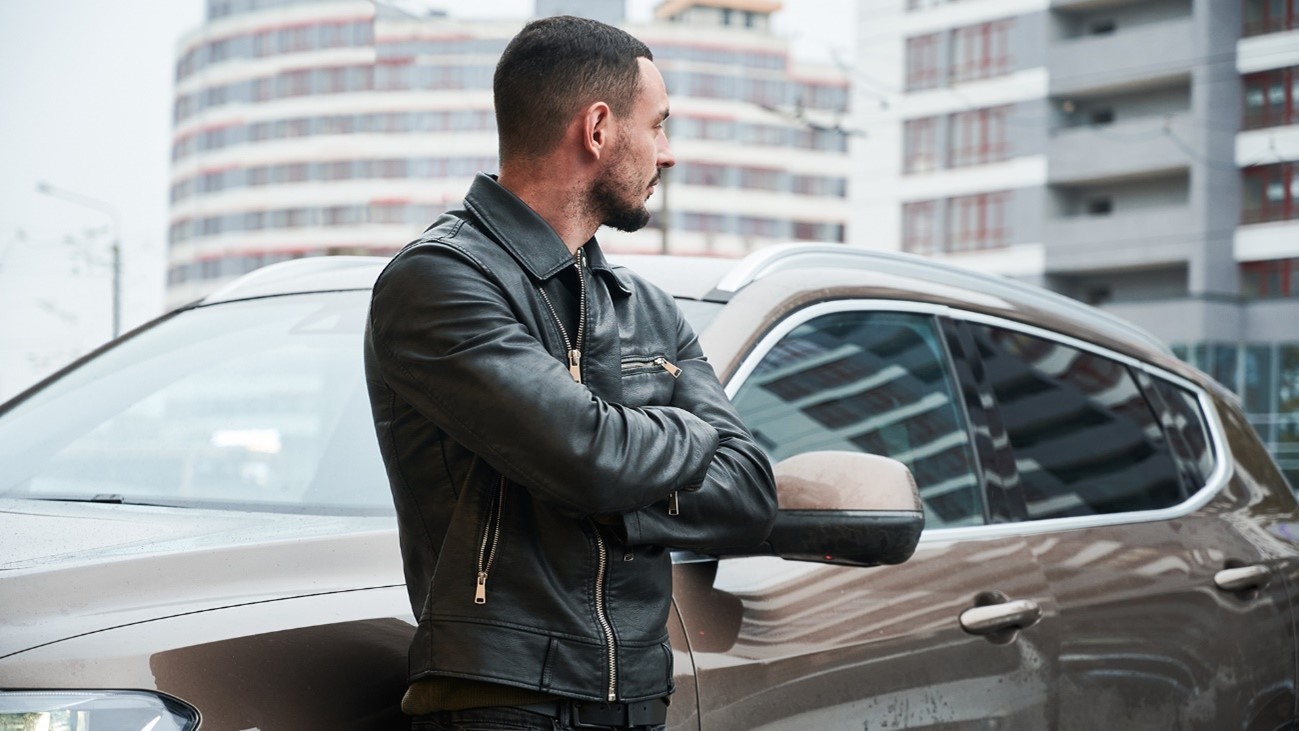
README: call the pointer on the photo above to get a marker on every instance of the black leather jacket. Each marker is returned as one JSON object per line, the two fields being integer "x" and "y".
{"x": 536, "y": 512}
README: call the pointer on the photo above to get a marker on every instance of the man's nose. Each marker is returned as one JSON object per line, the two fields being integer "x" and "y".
{"x": 665, "y": 158}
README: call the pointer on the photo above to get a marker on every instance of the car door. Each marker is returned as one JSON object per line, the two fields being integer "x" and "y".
{"x": 781, "y": 644}
{"x": 1148, "y": 540}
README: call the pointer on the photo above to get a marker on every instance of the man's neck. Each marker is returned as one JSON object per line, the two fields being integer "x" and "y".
{"x": 560, "y": 204}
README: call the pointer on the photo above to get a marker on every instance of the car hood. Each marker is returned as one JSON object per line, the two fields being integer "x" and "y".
{"x": 67, "y": 569}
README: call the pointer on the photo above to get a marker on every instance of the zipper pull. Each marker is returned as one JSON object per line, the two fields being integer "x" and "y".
{"x": 674, "y": 506}
{"x": 663, "y": 363}
{"x": 575, "y": 364}
{"x": 480, "y": 592}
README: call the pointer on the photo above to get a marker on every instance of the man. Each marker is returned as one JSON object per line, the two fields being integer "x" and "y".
{"x": 549, "y": 424}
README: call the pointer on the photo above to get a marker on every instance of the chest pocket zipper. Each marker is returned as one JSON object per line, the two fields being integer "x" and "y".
{"x": 490, "y": 540}
{"x": 632, "y": 366}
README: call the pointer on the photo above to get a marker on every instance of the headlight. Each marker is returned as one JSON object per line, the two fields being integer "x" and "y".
{"x": 98, "y": 710}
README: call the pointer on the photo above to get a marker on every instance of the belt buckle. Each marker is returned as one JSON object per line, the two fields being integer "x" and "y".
{"x": 617, "y": 715}
{"x": 598, "y": 715}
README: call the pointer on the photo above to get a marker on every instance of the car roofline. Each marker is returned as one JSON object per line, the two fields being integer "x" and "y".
{"x": 786, "y": 257}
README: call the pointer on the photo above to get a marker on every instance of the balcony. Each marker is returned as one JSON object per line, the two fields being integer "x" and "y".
{"x": 1136, "y": 148}
{"x": 1074, "y": 5}
{"x": 1123, "y": 240}
{"x": 1122, "y": 60}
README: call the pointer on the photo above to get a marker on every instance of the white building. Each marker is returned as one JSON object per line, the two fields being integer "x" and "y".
{"x": 1139, "y": 155}
{"x": 316, "y": 127}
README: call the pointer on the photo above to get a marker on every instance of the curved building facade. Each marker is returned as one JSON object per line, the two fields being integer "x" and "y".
{"x": 318, "y": 127}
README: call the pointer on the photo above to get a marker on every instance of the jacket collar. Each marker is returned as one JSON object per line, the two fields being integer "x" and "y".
{"x": 526, "y": 236}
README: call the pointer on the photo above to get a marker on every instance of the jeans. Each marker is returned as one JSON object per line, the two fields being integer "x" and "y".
{"x": 501, "y": 718}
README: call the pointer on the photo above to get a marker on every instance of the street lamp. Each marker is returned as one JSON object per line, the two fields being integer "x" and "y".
{"x": 116, "y": 249}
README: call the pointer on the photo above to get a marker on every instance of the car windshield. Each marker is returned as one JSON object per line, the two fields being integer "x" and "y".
{"x": 252, "y": 405}
{"x": 256, "y": 404}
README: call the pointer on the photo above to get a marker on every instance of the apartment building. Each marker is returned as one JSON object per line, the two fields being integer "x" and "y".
{"x": 1138, "y": 155}
{"x": 317, "y": 127}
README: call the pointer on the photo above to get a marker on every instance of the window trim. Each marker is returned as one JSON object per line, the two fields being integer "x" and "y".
{"x": 1216, "y": 481}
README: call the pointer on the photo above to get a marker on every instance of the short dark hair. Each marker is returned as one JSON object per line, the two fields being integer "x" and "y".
{"x": 553, "y": 67}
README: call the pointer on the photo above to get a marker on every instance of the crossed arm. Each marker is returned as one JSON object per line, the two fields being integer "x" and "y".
{"x": 449, "y": 344}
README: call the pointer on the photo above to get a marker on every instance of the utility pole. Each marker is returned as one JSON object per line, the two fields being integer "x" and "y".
{"x": 116, "y": 246}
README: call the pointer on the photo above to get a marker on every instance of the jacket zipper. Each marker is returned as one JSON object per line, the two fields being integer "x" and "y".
{"x": 573, "y": 348}
{"x": 491, "y": 539}
{"x": 602, "y": 615}
{"x": 656, "y": 362}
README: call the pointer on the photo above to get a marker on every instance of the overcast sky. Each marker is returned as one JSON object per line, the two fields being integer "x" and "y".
{"x": 87, "y": 92}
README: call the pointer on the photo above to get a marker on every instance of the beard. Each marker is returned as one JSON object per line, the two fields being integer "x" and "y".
{"x": 616, "y": 197}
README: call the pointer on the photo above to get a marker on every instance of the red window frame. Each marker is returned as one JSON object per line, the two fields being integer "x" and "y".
{"x": 981, "y": 51}
{"x": 920, "y": 145}
{"x": 978, "y": 137}
{"x": 1257, "y": 203}
{"x": 920, "y": 227}
{"x": 1283, "y": 273}
{"x": 922, "y": 62}
{"x": 1261, "y": 16}
{"x": 976, "y": 222}
{"x": 1278, "y": 85}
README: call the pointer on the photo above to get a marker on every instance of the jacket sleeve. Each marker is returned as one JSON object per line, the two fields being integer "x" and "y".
{"x": 445, "y": 339}
{"x": 736, "y": 505}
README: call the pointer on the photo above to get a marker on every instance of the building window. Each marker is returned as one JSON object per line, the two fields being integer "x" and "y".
{"x": 1270, "y": 16}
{"x": 922, "y": 62}
{"x": 919, "y": 226}
{"x": 1272, "y": 98}
{"x": 981, "y": 51}
{"x": 1270, "y": 279}
{"x": 978, "y": 137}
{"x": 704, "y": 222}
{"x": 921, "y": 145}
{"x": 762, "y": 179}
{"x": 1270, "y": 193}
{"x": 976, "y": 222}
{"x": 1103, "y": 206}
{"x": 703, "y": 173}
{"x": 765, "y": 227}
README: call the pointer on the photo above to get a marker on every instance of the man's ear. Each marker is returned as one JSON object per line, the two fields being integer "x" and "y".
{"x": 597, "y": 123}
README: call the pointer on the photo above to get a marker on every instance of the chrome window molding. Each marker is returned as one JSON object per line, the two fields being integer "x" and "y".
{"x": 1216, "y": 481}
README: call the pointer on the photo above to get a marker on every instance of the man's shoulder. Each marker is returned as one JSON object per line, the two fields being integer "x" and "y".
{"x": 452, "y": 238}
{"x": 453, "y": 231}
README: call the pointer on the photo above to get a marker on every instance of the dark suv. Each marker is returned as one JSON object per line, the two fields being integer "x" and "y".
{"x": 197, "y": 525}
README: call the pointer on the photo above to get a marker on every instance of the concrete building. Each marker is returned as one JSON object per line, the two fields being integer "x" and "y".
{"x": 316, "y": 127}
{"x": 1134, "y": 154}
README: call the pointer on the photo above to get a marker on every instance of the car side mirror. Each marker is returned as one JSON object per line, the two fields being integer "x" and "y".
{"x": 846, "y": 508}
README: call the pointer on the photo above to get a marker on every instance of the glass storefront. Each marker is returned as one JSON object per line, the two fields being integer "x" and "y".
{"x": 1266, "y": 376}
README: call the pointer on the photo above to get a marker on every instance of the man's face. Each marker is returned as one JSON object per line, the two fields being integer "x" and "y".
{"x": 638, "y": 151}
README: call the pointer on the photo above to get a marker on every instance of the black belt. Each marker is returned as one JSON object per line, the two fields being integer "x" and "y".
{"x": 588, "y": 714}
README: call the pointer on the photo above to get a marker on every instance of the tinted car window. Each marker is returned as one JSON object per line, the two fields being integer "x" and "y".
{"x": 1183, "y": 423}
{"x": 871, "y": 382}
{"x": 258, "y": 405}
{"x": 1085, "y": 439}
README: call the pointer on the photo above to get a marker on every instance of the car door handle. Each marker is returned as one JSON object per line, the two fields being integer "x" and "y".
{"x": 1244, "y": 578}
{"x": 1011, "y": 615}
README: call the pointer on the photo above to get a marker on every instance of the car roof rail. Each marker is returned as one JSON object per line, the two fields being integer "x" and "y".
{"x": 785, "y": 257}
{"x": 312, "y": 273}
